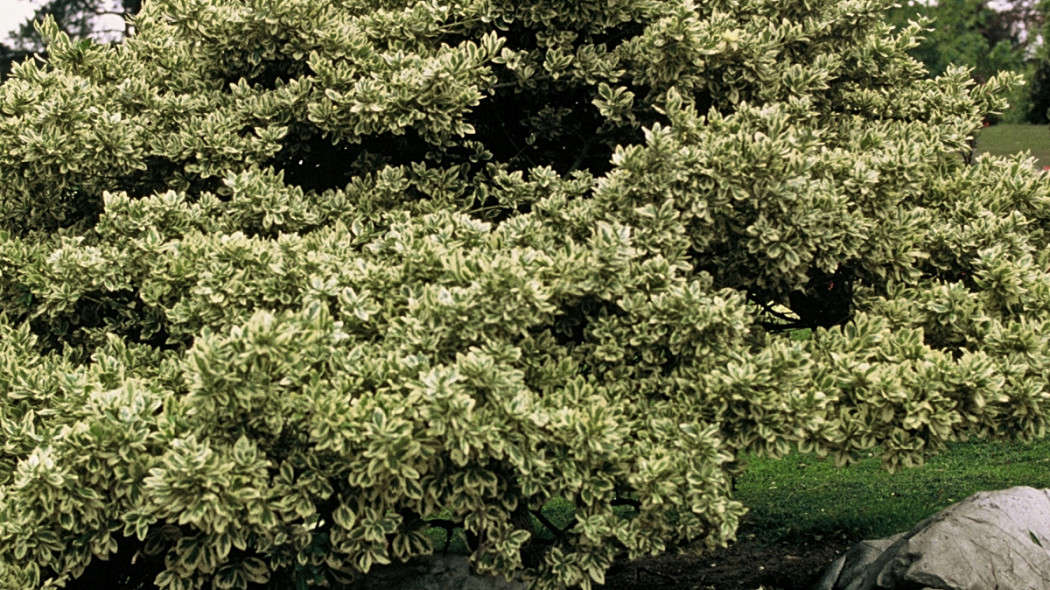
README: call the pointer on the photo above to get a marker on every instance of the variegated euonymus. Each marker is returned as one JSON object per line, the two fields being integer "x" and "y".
{"x": 280, "y": 280}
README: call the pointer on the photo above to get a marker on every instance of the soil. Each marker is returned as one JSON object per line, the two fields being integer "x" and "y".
{"x": 748, "y": 564}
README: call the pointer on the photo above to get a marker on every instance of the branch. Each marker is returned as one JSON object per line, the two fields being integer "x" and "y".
{"x": 627, "y": 502}
{"x": 557, "y": 532}
{"x": 769, "y": 310}
{"x": 585, "y": 152}
{"x": 510, "y": 138}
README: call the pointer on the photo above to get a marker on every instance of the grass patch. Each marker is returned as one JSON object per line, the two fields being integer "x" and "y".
{"x": 805, "y": 496}
{"x": 1008, "y": 139}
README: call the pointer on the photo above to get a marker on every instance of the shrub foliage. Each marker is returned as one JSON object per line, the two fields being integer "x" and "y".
{"x": 283, "y": 280}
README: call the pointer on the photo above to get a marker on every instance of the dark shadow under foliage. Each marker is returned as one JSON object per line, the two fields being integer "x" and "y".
{"x": 827, "y": 300}
{"x": 122, "y": 312}
{"x": 524, "y": 134}
{"x": 128, "y": 569}
{"x": 311, "y": 161}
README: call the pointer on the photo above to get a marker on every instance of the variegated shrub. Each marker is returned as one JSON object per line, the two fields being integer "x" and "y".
{"x": 283, "y": 280}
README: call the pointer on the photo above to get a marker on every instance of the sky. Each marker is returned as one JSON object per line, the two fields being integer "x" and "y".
{"x": 13, "y": 13}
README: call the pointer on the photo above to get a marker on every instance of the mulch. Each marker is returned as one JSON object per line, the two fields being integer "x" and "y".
{"x": 747, "y": 564}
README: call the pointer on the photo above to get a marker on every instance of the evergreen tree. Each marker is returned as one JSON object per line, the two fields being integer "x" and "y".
{"x": 986, "y": 37}
{"x": 1039, "y": 88}
{"x": 283, "y": 281}
{"x": 77, "y": 18}
{"x": 966, "y": 33}
{"x": 8, "y": 56}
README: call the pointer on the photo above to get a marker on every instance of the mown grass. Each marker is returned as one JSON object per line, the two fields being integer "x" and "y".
{"x": 806, "y": 496}
{"x": 1007, "y": 139}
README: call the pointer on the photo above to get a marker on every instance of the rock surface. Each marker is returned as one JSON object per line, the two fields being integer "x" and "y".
{"x": 433, "y": 572}
{"x": 990, "y": 540}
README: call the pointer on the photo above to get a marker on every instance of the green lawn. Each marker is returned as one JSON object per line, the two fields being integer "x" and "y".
{"x": 1004, "y": 139}
{"x": 805, "y": 496}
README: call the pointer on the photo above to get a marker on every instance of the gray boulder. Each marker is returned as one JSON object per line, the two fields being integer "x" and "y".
{"x": 431, "y": 572}
{"x": 991, "y": 540}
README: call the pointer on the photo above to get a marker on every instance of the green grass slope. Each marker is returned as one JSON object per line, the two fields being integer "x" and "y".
{"x": 803, "y": 495}
{"x": 1007, "y": 139}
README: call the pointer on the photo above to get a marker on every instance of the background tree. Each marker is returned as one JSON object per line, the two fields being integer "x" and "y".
{"x": 1040, "y": 85}
{"x": 78, "y": 18}
{"x": 1020, "y": 23}
{"x": 984, "y": 36}
{"x": 1039, "y": 90}
{"x": 967, "y": 33}
{"x": 282, "y": 281}
{"x": 8, "y": 56}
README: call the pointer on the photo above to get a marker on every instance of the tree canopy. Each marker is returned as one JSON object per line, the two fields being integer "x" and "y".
{"x": 78, "y": 18}
{"x": 284, "y": 281}
{"x": 987, "y": 37}
{"x": 967, "y": 33}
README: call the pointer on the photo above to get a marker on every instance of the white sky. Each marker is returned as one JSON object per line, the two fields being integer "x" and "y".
{"x": 13, "y": 13}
